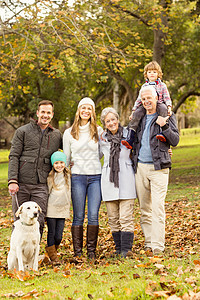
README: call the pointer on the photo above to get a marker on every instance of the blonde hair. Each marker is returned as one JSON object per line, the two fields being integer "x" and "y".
{"x": 51, "y": 181}
{"x": 93, "y": 125}
{"x": 153, "y": 66}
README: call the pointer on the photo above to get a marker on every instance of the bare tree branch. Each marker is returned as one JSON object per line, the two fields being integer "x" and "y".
{"x": 184, "y": 97}
{"x": 3, "y": 118}
{"x": 131, "y": 13}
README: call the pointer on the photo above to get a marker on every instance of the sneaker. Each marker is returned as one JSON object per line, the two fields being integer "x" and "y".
{"x": 161, "y": 137}
{"x": 129, "y": 140}
{"x": 157, "y": 252}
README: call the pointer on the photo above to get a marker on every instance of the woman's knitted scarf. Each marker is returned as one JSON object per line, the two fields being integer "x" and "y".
{"x": 115, "y": 143}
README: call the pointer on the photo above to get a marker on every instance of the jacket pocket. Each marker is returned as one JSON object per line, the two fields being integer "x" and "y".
{"x": 164, "y": 156}
{"x": 25, "y": 161}
{"x": 47, "y": 160}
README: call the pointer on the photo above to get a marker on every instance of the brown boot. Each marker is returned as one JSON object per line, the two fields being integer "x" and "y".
{"x": 52, "y": 253}
{"x": 45, "y": 260}
{"x": 92, "y": 236}
{"x": 77, "y": 237}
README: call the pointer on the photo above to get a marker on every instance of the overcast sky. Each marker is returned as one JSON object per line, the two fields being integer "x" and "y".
{"x": 6, "y": 13}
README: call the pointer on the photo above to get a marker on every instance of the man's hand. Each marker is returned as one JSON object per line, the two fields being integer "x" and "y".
{"x": 13, "y": 188}
{"x": 162, "y": 120}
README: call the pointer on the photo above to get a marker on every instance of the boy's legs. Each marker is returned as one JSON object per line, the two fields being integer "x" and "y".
{"x": 138, "y": 114}
{"x": 162, "y": 111}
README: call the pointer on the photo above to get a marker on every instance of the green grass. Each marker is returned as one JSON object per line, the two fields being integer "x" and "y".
{"x": 4, "y": 155}
{"x": 177, "y": 273}
{"x": 3, "y": 175}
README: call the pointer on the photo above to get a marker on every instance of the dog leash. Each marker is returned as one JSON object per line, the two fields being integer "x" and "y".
{"x": 16, "y": 200}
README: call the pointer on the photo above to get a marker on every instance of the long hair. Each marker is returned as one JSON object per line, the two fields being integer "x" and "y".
{"x": 51, "y": 181}
{"x": 93, "y": 126}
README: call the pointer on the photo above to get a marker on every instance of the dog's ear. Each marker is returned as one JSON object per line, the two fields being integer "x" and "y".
{"x": 19, "y": 211}
{"x": 39, "y": 209}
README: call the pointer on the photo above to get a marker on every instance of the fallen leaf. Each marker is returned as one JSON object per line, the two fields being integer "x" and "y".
{"x": 135, "y": 276}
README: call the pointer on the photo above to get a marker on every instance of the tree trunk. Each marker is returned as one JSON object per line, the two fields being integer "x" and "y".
{"x": 159, "y": 35}
{"x": 116, "y": 96}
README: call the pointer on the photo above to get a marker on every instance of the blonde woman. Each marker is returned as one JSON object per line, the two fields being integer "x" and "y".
{"x": 80, "y": 144}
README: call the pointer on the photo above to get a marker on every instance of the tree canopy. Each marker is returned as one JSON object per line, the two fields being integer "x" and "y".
{"x": 61, "y": 52}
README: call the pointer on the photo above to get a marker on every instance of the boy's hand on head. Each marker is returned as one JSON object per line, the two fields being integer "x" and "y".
{"x": 169, "y": 110}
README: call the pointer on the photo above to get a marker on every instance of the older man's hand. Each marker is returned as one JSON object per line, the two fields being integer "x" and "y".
{"x": 162, "y": 120}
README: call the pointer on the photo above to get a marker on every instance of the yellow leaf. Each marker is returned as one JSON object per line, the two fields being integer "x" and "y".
{"x": 110, "y": 294}
{"x": 128, "y": 291}
{"x": 31, "y": 66}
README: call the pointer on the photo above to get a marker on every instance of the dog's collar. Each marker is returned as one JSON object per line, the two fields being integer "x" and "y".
{"x": 26, "y": 224}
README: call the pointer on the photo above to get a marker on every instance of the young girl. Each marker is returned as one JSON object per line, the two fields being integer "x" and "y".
{"x": 58, "y": 203}
{"x": 153, "y": 75}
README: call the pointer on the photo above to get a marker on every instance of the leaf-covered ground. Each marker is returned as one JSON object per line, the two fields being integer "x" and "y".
{"x": 176, "y": 275}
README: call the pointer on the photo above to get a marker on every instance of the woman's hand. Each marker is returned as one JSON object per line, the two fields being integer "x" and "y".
{"x": 101, "y": 137}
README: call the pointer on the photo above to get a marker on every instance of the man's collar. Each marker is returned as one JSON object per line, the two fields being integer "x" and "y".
{"x": 36, "y": 122}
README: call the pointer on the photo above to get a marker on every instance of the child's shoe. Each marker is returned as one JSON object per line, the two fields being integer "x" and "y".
{"x": 161, "y": 137}
{"x": 128, "y": 143}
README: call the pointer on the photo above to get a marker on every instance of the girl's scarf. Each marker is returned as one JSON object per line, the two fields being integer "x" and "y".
{"x": 115, "y": 143}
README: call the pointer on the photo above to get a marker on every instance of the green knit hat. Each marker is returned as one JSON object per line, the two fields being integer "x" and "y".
{"x": 58, "y": 156}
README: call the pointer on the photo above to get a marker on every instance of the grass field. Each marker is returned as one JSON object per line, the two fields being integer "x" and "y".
{"x": 175, "y": 276}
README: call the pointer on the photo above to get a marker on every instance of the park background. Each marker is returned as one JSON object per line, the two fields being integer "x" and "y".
{"x": 63, "y": 51}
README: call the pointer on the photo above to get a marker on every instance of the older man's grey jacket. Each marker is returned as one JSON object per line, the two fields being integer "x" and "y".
{"x": 29, "y": 159}
{"x": 159, "y": 150}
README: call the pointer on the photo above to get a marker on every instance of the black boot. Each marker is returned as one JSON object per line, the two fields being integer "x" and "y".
{"x": 126, "y": 243}
{"x": 117, "y": 240}
{"x": 128, "y": 143}
{"x": 77, "y": 238}
{"x": 92, "y": 235}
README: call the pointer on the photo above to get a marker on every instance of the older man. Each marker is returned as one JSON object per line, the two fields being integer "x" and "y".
{"x": 29, "y": 159}
{"x": 152, "y": 163}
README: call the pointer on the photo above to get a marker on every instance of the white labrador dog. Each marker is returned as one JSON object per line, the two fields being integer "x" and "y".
{"x": 25, "y": 238}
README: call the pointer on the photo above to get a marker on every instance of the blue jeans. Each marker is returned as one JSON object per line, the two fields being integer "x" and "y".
{"x": 82, "y": 186}
{"x": 55, "y": 231}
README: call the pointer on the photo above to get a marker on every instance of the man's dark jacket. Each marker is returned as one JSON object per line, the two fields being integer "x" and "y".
{"x": 159, "y": 150}
{"x": 29, "y": 159}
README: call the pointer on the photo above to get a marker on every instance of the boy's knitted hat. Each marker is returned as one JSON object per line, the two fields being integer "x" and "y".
{"x": 87, "y": 100}
{"x": 58, "y": 156}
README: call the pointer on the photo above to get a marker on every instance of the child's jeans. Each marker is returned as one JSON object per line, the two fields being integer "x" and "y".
{"x": 55, "y": 230}
{"x": 140, "y": 112}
